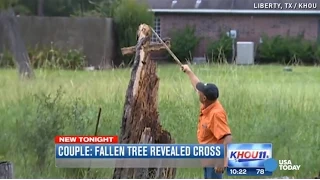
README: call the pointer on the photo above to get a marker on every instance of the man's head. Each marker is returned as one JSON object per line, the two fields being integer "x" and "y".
{"x": 207, "y": 92}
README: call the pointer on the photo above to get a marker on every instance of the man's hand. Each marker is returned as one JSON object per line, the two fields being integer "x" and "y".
{"x": 185, "y": 68}
{"x": 219, "y": 170}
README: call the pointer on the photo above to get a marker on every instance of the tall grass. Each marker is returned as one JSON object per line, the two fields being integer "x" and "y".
{"x": 264, "y": 104}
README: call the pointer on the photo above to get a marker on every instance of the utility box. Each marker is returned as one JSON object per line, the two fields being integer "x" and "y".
{"x": 199, "y": 60}
{"x": 245, "y": 53}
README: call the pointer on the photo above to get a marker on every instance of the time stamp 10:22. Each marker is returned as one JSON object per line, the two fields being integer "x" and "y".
{"x": 248, "y": 172}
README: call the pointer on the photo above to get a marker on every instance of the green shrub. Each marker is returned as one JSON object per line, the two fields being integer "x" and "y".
{"x": 317, "y": 54}
{"x": 48, "y": 116}
{"x": 6, "y": 60}
{"x": 220, "y": 50}
{"x": 273, "y": 50}
{"x": 5, "y": 4}
{"x": 54, "y": 58}
{"x": 51, "y": 58}
{"x": 300, "y": 51}
{"x": 41, "y": 130}
{"x": 183, "y": 42}
{"x": 286, "y": 50}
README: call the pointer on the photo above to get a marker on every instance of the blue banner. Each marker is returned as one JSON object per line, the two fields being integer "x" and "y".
{"x": 248, "y": 172}
{"x": 139, "y": 151}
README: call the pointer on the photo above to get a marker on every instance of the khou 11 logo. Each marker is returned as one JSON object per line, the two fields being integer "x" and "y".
{"x": 253, "y": 155}
{"x": 256, "y": 155}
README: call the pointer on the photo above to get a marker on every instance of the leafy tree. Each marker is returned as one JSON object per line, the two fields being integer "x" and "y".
{"x": 52, "y": 7}
{"x": 5, "y": 4}
{"x": 128, "y": 15}
{"x": 99, "y": 8}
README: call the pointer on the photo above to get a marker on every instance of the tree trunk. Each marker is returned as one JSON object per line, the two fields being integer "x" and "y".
{"x": 317, "y": 177}
{"x": 1, "y": 40}
{"x": 140, "y": 117}
{"x": 17, "y": 46}
{"x": 6, "y": 170}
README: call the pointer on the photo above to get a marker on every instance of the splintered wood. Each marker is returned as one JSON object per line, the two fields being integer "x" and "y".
{"x": 140, "y": 122}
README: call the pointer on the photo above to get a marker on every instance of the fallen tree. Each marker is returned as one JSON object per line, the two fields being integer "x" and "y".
{"x": 140, "y": 122}
{"x": 10, "y": 29}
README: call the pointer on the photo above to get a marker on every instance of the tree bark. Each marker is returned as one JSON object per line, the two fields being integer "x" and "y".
{"x": 6, "y": 170}
{"x": 140, "y": 117}
{"x": 17, "y": 46}
{"x": 2, "y": 39}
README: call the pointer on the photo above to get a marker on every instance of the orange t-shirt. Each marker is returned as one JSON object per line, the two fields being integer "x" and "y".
{"x": 213, "y": 124}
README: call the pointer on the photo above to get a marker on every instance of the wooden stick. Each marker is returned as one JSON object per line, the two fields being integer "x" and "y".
{"x": 96, "y": 130}
{"x": 164, "y": 44}
{"x": 97, "y": 124}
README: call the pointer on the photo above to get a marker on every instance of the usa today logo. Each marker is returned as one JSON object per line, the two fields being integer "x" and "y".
{"x": 284, "y": 165}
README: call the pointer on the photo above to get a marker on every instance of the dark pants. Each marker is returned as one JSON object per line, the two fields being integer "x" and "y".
{"x": 209, "y": 173}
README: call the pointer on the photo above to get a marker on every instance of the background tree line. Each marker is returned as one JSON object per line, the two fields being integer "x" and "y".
{"x": 51, "y": 7}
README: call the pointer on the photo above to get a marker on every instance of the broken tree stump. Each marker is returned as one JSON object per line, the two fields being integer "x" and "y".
{"x": 140, "y": 122}
{"x": 6, "y": 170}
{"x": 11, "y": 31}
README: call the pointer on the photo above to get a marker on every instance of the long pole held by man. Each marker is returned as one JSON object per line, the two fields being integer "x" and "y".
{"x": 213, "y": 127}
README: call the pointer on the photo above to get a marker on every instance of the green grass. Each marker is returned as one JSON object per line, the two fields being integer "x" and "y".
{"x": 264, "y": 104}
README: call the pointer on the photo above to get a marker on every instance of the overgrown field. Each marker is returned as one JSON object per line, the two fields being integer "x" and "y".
{"x": 264, "y": 104}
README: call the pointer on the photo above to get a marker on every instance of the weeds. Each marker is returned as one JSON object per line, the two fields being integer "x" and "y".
{"x": 263, "y": 103}
{"x": 49, "y": 58}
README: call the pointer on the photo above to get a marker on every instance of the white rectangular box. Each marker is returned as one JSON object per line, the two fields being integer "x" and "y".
{"x": 245, "y": 53}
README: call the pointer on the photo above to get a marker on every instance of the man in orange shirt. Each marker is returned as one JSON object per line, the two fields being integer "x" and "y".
{"x": 213, "y": 125}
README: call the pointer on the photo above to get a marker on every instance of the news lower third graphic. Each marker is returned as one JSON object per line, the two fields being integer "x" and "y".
{"x": 139, "y": 151}
{"x": 251, "y": 159}
{"x": 105, "y": 152}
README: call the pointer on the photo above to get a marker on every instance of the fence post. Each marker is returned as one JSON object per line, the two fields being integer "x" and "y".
{"x": 6, "y": 170}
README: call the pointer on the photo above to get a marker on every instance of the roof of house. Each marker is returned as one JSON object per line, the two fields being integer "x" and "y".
{"x": 232, "y": 6}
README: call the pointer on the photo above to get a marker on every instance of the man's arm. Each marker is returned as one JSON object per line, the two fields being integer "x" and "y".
{"x": 193, "y": 78}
